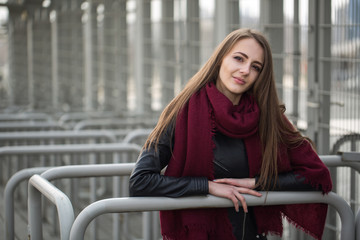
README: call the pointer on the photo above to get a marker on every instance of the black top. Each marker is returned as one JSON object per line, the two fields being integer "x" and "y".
{"x": 229, "y": 163}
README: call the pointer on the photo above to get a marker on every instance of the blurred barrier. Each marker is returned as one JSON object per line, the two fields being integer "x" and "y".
{"x": 347, "y": 159}
{"x": 115, "y": 123}
{"x": 29, "y": 126}
{"x": 25, "y": 117}
{"x": 140, "y": 204}
{"x": 65, "y": 150}
{"x": 137, "y": 133}
{"x": 61, "y": 201}
{"x": 75, "y": 171}
{"x": 10, "y": 187}
{"x": 68, "y": 120}
{"x": 357, "y": 226}
{"x": 114, "y": 148}
{"x": 57, "y": 135}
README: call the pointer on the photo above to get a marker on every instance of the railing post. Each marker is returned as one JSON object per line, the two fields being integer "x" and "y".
{"x": 36, "y": 185}
{"x": 357, "y": 225}
{"x": 9, "y": 198}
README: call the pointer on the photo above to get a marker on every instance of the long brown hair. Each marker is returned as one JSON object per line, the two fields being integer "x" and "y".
{"x": 273, "y": 126}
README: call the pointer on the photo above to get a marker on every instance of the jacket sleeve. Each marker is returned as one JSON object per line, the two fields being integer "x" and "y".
{"x": 290, "y": 181}
{"x": 147, "y": 180}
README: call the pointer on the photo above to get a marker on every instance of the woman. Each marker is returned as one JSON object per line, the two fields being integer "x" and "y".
{"x": 226, "y": 134}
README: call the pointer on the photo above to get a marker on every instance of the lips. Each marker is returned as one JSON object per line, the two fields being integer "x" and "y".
{"x": 239, "y": 80}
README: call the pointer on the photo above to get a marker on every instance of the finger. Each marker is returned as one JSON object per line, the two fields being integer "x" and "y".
{"x": 221, "y": 180}
{"x": 242, "y": 201}
{"x": 236, "y": 203}
{"x": 227, "y": 181}
{"x": 249, "y": 191}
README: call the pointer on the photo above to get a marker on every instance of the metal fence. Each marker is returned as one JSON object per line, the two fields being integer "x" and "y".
{"x": 100, "y": 170}
{"x": 151, "y": 204}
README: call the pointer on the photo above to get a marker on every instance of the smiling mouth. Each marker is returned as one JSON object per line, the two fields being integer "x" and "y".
{"x": 239, "y": 80}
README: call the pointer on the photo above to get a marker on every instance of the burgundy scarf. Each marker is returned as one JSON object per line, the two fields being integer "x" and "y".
{"x": 206, "y": 112}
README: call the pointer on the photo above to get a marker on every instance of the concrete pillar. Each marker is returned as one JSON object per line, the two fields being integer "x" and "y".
{"x": 88, "y": 56}
{"x": 42, "y": 60}
{"x": 192, "y": 41}
{"x": 226, "y": 18}
{"x": 54, "y": 61}
{"x": 167, "y": 71}
{"x": 143, "y": 55}
{"x": 272, "y": 21}
{"x": 296, "y": 61}
{"x": 70, "y": 50}
{"x": 11, "y": 41}
{"x": 30, "y": 61}
{"x": 121, "y": 62}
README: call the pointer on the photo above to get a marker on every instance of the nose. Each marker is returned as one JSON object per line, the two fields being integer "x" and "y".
{"x": 245, "y": 69}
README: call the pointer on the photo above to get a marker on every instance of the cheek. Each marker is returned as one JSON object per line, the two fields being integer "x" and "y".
{"x": 254, "y": 79}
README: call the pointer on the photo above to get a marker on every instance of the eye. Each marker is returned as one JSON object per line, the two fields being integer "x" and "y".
{"x": 239, "y": 58}
{"x": 257, "y": 68}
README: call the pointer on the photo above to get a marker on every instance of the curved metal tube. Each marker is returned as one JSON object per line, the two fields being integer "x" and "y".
{"x": 140, "y": 204}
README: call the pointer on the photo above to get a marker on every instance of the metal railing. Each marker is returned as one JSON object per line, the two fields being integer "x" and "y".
{"x": 27, "y": 126}
{"x": 61, "y": 201}
{"x": 140, "y": 204}
{"x": 344, "y": 159}
{"x": 9, "y": 209}
{"x": 24, "y": 116}
{"x": 117, "y": 123}
{"x": 348, "y": 159}
{"x": 41, "y": 183}
{"x": 357, "y": 225}
{"x": 57, "y": 135}
{"x": 68, "y": 149}
{"x": 114, "y": 148}
{"x": 137, "y": 133}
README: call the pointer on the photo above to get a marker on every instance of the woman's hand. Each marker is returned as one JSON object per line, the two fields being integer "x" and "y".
{"x": 232, "y": 189}
{"x": 238, "y": 182}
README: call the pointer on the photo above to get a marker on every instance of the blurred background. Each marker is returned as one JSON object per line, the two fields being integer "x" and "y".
{"x": 129, "y": 58}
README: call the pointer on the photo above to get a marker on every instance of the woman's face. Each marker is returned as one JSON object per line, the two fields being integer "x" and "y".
{"x": 240, "y": 68}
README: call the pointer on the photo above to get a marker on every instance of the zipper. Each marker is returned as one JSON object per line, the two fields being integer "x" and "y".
{"x": 243, "y": 229}
{"x": 221, "y": 166}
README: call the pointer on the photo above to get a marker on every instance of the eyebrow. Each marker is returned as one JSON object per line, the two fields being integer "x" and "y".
{"x": 247, "y": 57}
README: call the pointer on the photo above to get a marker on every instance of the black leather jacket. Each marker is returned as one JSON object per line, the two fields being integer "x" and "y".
{"x": 230, "y": 161}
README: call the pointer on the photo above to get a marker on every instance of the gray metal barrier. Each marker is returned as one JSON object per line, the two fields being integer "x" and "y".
{"x": 26, "y": 126}
{"x": 74, "y": 171}
{"x": 61, "y": 201}
{"x": 25, "y": 116}
{"x": 65, "y": 149}
{"x": 9, "y": 190}
{"x": 57, "y": 135}
{"x": 137, "y": 133}
{"x": 139, "y": 204}
{"x": 346, "y": 159}
{"x": 118, "y": 123}
{"x": 114, "y": 148}
{"x": 68, "y": 120}
{"x": 70, "y": 148}
{"x": 357, "y": 225}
